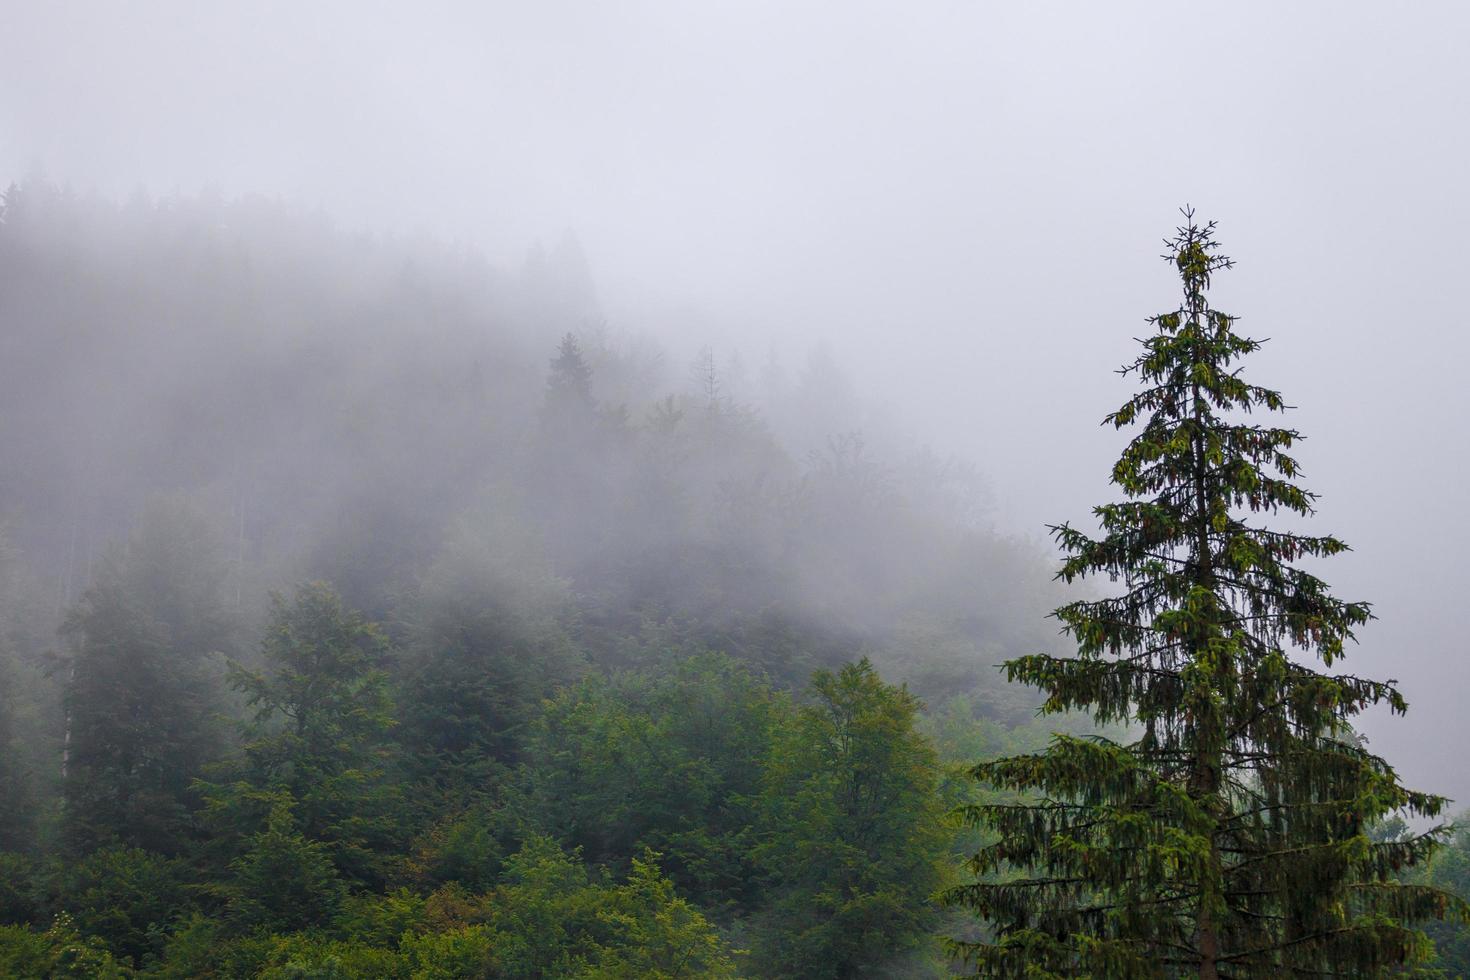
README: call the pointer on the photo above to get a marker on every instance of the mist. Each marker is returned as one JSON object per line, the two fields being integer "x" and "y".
{"x": 850, "y": 285}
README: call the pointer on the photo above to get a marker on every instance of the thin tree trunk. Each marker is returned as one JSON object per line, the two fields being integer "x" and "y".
{"x": 1205, "y": 779}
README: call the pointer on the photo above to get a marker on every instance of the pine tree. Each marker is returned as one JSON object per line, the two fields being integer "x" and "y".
{"x": 1229, "y": 836}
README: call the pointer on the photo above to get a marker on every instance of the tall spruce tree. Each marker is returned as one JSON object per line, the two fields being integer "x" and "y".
{"x": 1228, "y": 835}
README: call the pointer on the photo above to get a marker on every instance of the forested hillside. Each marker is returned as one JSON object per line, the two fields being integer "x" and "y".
{"x": 371, "y": 611}
{"x": 367, "y": 610}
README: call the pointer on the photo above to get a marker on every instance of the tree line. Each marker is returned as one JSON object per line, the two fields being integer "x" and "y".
{"x": 400, "y": 665}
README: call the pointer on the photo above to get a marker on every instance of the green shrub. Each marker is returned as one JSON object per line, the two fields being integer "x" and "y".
{"x": 59, "y": 953}
{"x": 129, "y": 898}
{"x": 17, "y": 888}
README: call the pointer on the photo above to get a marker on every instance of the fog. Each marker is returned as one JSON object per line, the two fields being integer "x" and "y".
{"x": 959, "y": 204}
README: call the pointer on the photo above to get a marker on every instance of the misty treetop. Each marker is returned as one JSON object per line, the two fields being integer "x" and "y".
{"x": 336, "y": 403}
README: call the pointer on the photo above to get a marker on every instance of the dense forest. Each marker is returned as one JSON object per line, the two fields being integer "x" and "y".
{"x": 371, "y": 611}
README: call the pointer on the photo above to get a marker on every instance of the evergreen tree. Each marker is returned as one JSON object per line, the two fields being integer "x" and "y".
{"x": 1230, "y": 836}
{"x": 486, "y": 643}
{"x": 144, "y": 684}
{"x": 569, "y": 410}
{"x": 283, "y": 881}
{"x": 316, "y": 747}
{"x": 668, "y": 758}
{"x": 578, "y": 467}
{"x": 15, "y": 789}
{"x": 17, "y": 737}
{"x": 851, "y": 833}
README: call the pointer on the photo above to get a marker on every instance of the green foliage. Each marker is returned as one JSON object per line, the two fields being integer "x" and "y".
{"x": 143, "y": 688}
{"x": 550, "y": 920}
{"x": 487, "y": 798}
{"x": 464, "y": 951}
{"x": 380, "y": 920}
{"x": 541, "y": 679}
{"x": 316, "y": 746}
{"x": 127, "y": 897}
{"x": 547, "y": 918}
{"x": 310, "y": 956}
{"x": 1229, "y": 834}
{"x": 1448, "y": 869}
{"x": 284, "y": 881}
{"x": 666, "y": 758}
{"x": 18, "y": 902}
{"x": 851, "y": 831}
{"x": 653, "y": 933}
{"x": 59, "y": 953}
{"x": 464, "y": 849}
{"x": 486, "y": 641}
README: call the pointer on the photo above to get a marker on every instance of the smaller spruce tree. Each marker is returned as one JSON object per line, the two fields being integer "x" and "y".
{"x": 316, "y": 752}
{"x": 144, "y": 685}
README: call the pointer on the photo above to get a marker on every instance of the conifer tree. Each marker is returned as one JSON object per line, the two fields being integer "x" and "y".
{"x": 15, "y": 795}
{"x": 316, "y": 747}
{"x": 572, "y": 491}
{"x": 144, "y": 687}
{"x": 851, "y": 833}
{"x": 569, "y": 407}
{"x": 1228, "y": 834}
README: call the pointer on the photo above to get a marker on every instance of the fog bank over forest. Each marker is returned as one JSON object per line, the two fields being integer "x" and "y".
{"x": 352, "y": 409}
{"x": 944, "y": 222}
{"x": 368, "y": 559}
{"x": 573, "y": 490}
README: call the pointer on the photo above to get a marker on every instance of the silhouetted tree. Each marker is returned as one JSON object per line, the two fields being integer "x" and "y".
{"x": 569, "y": 408}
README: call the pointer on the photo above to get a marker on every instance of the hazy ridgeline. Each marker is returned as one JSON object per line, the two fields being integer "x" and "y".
{"x": 338, "y": 407}
{"x": 204, "y": 402}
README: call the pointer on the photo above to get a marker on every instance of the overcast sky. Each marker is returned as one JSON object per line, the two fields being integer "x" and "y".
{"x": 965, "y": 200}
